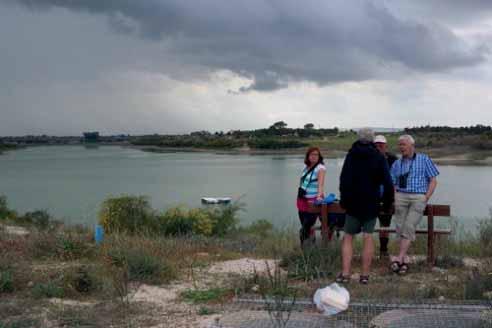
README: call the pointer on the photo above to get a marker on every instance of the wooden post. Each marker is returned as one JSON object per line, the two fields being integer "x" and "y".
{"x": 325, "y": 229}
{"x": 430, "y": 236}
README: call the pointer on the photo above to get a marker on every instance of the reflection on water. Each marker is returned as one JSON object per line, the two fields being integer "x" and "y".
{"x": 72, "y": 181}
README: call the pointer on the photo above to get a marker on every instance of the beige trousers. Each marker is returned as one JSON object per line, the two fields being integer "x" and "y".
{"x": 409, "y": 209}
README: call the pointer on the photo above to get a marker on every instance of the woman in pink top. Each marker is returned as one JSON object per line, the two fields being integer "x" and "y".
{"x": 311, "y": 187}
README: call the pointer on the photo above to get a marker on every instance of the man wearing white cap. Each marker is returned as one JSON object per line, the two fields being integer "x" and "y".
{"x": 384, "y": 219}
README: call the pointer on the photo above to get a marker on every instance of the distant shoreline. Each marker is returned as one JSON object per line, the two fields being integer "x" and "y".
{"x": 448, "y": 156}
{"x": 460, "y": 159}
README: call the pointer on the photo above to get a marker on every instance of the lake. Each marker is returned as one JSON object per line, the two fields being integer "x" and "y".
{"x": 72, "y": 181}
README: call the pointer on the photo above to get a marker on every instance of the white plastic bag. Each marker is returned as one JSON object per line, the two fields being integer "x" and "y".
{"x": 332, "y": 299}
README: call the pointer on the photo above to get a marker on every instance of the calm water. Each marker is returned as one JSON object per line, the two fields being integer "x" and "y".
{"x": 72, "y": 181}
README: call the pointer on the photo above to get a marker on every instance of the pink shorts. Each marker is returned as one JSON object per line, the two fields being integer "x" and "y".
{"x": 303, "y": 204}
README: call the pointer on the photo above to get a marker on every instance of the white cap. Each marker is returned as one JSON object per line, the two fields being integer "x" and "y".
{"x": 379, "y": 139}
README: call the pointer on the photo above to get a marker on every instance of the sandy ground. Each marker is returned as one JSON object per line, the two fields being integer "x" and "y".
{"x": 14, "y": 230}
{"x": 174, "y": 313}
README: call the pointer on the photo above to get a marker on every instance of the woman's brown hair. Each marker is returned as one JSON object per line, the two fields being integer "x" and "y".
{"x": 309, "y": 151}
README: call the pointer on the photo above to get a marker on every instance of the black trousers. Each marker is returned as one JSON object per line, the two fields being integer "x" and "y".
{"x": 384, "y": 221}
{"x": 307, "y": 221}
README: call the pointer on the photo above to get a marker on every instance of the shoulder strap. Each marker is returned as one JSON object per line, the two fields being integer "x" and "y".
{"x": 307, "y": 173}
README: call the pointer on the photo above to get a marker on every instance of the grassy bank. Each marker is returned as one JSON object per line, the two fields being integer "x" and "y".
{"x": 454, "y": 146}
{"x": 177, "y": 266}
{"x": 7, "y": 147}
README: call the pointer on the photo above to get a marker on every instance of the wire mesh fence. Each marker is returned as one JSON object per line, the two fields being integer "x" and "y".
{"x": 258, "y": 313}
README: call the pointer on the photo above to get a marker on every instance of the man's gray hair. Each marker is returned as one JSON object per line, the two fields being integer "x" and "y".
{"x": 408, "y": 138}
{"x": 366, "y": 135}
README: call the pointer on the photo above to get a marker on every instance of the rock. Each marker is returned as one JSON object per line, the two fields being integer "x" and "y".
{"x": 488, "y": 295}
{"x": 471, "y": 263}
{"x": 244, "y": 266}
{"x": 255, "y": 288}
{"x": 30, "y": 284}
{"x": 441, "y": 298}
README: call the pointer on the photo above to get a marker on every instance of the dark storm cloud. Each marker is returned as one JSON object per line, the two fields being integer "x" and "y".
{"x": 278, "y": 41}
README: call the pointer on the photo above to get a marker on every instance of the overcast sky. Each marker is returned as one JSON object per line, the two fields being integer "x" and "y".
{"x": 174, "y": 66}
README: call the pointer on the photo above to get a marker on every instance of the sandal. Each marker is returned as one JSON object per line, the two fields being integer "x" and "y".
{"x": 364, "y": 280}
{"x": 395, "y": 266}
{"x": 403, "y": 268}
{"x": 341, "y": 279}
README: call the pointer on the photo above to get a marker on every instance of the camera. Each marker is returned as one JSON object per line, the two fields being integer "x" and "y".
{"x": 402, "y": 180}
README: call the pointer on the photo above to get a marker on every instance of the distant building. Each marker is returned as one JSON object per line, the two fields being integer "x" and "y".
{"x": 91, "y": 137}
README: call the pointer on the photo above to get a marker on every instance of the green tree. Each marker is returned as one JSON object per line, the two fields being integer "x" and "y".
{"x": 279, "y": 125}
{"x": 309, "y": 126}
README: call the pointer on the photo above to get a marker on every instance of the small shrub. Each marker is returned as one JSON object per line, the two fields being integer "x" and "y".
{"x": 205, "y": 296}
{"x": 127, "y": 214}
{"x": 273, "y": 143}
{"x": 72, "y": 246}
{"x": 203, "y": 223}
{"x": 5, "y": 212}
{"x": 48, "y": 290}
{"x": 449, "y": 261}
{"x": 148, "y": 268}
{"x": 278, "y": 296}
{"x": 313, "y": 263}
{"x": 477, "y": 286}
{"x": 21, "y": 323}
{"x": 225, "y": 218}
{"x": 141, "y": 262}
{"x": 485, "y": 236}
{"x": 206, "y": 311}
{"x": 6, "y": 282}
{"x": 259, "y": 228}
{"x": 62, "y": 245}
{"x": 42, "y": 245}
{"x": 82, "y": 280}
{"x": 41, "y": 219}
{"x": 176, "y": 222}
{"x": 214, "y": 221}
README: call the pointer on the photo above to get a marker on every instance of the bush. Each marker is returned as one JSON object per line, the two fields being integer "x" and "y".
{"x": 140, "y": 262}
{"x": 21, "y": 323}
{"x": 216, "y": 221}
{"x": 260, "y": 228}
{"x": 205, "y": 296}
{"x": 126, "y": 214}
{"x": 6, "y": 282}
{"x": 485, "y": 236}
{"x": 83, "y": 280}
{"x": 176, "y": 221}
{"x": 133, "y": 214}
{"x": 225, "y": 218}
{"x": 203, "y": 222}
{"x": 70, "y": 246}
{"x": 270, "y": 143}
{"x": 477, "y": 286}
{"x": 48, "y": 290}
{"x": 42, "y": 245}
{"x": 5, "y": 212}
{"x": 313, "y": 263}
{"x": 148, "y": 268}
{"x": 41, "y": 219}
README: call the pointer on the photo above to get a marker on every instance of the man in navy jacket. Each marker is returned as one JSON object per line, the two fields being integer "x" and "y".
{"x": 364, "y": 171}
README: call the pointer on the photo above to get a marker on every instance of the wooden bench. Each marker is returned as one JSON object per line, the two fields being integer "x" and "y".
{"x": 430, "y": 211}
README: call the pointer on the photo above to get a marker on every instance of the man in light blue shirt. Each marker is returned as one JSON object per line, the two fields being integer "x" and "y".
{"x": 414, "y": 178}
